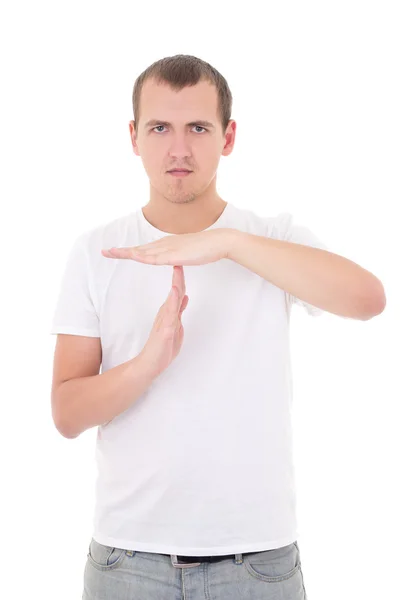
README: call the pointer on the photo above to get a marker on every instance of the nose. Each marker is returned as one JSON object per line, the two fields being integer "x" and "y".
{"x": 179, "y": 147}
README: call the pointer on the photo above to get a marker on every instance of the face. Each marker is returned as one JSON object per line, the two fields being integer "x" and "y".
{"x": 185, "y": 143}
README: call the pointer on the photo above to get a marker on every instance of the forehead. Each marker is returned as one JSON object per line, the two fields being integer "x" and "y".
{"x": 159, "y": 100}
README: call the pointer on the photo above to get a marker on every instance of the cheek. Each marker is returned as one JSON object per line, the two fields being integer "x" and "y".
{"x": 211, "y": 158}
{"x": 153, "y": 160}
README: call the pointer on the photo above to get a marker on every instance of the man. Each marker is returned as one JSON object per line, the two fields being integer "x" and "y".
{"x": 195, "y": 495}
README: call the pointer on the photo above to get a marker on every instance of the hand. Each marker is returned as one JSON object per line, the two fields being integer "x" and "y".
{"x": 181, "y": 249}
{"x": 200, "y": 248}
{"x": 166, "y": 337}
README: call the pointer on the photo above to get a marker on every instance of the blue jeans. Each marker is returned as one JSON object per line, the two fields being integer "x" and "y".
{"x": 118, "y": 574}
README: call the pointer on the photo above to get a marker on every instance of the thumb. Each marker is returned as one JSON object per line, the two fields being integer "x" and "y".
{"x": 184, "y": 304}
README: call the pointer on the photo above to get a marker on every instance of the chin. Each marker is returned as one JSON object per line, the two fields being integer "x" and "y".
{"x": 182, "y": 199}
{"x": 179, "y": 198}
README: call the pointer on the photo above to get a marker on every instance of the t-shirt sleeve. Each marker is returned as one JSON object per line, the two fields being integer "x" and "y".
{"x": 299, "y": 234}
{"x": 75, "y": 312}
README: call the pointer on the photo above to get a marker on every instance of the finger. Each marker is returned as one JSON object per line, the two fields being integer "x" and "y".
{"x": 182, "y": 280}
{"x": 119, "y": 253}
{"x": 176, "y": 280}
{"x": 179, "y": 278}
{"x": 174, "y": 303}
{"x": 169, "y": 315}
{"x": 172, "y": 298}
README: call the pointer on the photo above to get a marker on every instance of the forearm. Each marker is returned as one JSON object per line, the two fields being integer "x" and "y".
{"x": 321, "y": 278}
{"x": 96, "y": 400}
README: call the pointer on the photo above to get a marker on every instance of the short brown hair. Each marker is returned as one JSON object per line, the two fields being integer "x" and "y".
{"x": 180, "y": 71}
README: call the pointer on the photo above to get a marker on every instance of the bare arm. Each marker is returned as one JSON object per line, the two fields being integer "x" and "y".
{"x": 90, "y": 401}
{"x": 83, "y": 398}
{"x": 322, "y": 278}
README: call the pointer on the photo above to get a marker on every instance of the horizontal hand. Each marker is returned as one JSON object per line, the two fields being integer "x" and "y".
{"x": 181, "y": 249}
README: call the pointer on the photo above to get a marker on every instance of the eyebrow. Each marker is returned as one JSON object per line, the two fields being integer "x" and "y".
{"x": 154, "y": 122}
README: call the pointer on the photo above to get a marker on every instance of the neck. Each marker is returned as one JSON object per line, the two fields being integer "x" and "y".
{"x": 186, "y": 216}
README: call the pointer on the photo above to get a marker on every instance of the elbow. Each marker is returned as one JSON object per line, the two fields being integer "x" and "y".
{"x": 372, "y": 303}
{"x": 63, "y": 429}
{"x": 61, "y": 423}
{"x": 69, "y": 436}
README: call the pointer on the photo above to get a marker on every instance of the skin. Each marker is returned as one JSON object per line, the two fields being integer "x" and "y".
{"x": 188, "y": 206}
{"x": 181, "y": 204}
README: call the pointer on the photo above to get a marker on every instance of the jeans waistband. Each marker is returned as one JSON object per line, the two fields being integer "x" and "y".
{"x": 194, "y": 561}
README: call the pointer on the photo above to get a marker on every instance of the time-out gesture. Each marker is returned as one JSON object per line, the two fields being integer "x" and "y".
{"x": 181, "y": 249}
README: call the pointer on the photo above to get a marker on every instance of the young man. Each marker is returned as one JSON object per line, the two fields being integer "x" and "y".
{"x": 195, "y": 491}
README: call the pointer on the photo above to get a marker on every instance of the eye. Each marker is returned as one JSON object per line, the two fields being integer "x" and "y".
{"x": 198, "y": 126}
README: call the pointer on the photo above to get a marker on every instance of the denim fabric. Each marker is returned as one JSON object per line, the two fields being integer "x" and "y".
{"x": 119, "y": 574}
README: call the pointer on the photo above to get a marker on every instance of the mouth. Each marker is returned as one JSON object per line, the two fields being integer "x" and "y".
{"x": 179, "y": 172}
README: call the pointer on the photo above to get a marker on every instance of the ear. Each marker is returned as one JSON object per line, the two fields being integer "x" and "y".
{"x": 133, "y": 136}
{"x": 229, "y": 138}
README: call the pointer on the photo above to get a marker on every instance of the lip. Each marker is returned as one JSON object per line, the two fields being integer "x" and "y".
{"x": 179, "y": 173}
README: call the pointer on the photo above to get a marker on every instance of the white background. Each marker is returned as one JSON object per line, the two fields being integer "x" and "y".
{"x": 316, "y": 99}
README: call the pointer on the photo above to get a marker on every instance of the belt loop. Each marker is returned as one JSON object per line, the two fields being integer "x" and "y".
{"x": 175, "y": 563}
{"x": 238, "y": 559}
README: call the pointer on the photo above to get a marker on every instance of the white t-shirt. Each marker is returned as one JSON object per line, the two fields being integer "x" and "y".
{"x": 201, "y": 464}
